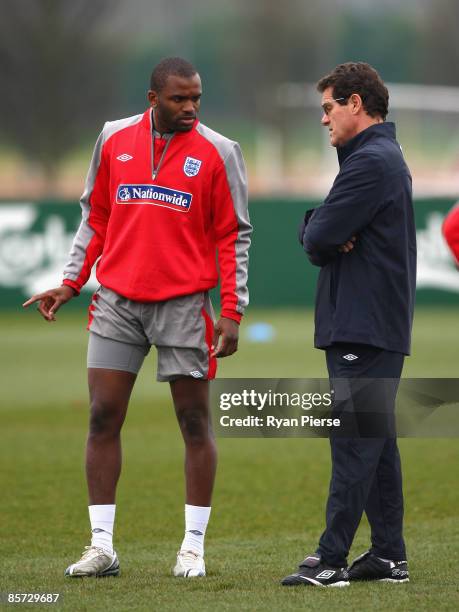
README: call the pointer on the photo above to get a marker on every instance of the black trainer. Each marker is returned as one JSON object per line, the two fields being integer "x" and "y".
{"x": 312, "y": 572}
{"x": 370, "y": 567}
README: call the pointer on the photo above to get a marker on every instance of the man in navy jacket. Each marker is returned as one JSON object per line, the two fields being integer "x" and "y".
{"x": 363, "y": 238}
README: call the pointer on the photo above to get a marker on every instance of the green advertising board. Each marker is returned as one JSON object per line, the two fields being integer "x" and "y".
{"x": 281, "y": 275}
{"x": 35, "y": 239}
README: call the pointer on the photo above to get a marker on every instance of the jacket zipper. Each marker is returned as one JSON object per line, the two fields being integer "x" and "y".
{"x": 154, "y": 171}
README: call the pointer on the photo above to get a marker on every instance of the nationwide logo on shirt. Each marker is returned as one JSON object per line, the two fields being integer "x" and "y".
{"x": 155, "y": 195}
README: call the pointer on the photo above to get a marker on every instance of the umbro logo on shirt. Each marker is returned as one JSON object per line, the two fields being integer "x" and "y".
{"x": 124, "y": 157}
{"x": 350, "y": 357}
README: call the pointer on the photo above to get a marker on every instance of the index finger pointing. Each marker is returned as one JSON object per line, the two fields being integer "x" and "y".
{"x": 33, "y": 299}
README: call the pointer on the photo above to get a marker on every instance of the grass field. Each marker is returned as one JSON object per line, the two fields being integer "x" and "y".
{"x": 269, "y": 499}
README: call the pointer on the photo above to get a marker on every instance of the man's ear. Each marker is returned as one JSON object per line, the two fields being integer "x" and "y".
{"x": 152, "y": 98}
{"x": 356, "y": 103}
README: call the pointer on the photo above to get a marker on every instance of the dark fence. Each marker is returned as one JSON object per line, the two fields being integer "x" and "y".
{"x": 35, "y": 239}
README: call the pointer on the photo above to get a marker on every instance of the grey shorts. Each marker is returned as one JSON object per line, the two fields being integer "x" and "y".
{"x": 122, "y": 332}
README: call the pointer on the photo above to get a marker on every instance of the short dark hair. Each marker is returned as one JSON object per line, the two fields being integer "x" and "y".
{"x": 170, "y": 66}
{"x": 358, "y": 78}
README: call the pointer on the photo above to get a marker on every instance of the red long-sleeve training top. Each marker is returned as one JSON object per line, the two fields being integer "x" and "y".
{"x": 159, "y": 229}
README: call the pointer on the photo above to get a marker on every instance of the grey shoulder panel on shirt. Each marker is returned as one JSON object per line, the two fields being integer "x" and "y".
{"x": 85, "y": 232}
{"x": 233, "y": 161}
{"x": 111, "y": 127}
{"x": 223, "y": 145}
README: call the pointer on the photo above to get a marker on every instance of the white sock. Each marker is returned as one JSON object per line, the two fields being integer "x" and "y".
{"x": 196, "y": 519}
{"x": 102, "y": 519}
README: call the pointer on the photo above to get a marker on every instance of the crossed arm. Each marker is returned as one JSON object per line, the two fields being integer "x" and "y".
{"x": 354, "y": 199}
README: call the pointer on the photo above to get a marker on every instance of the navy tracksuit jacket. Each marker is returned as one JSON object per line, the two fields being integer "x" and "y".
{"x": 365, "y": 296}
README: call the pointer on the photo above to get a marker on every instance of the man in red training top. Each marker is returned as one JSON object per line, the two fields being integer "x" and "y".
{"x": 164, "y": 195}
{"x": 451, "y": 231}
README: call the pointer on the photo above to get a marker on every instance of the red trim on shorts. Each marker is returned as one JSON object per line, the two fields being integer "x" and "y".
{"x": 91, "y": 309}
{"x": 212, "y": 370}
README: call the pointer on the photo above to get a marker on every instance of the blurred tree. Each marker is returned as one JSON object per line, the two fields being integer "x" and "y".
{"x": 388, "y": 40}
{"x": 58, "y": 73}
{"x": 272, "y": 43}
{"x": 440, "y": 62}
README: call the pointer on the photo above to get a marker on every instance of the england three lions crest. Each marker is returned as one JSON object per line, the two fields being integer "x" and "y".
{"x": 191, "y": 166}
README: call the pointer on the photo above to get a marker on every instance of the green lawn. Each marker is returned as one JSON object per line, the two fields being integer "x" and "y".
{"x": 269, "y": 500}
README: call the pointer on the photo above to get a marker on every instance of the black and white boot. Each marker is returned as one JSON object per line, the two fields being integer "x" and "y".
{"x": 370, "y": 567}
{"x": 312, "y": 572}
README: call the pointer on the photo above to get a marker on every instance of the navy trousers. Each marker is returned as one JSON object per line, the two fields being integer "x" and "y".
{"x": 366, "y": 470}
